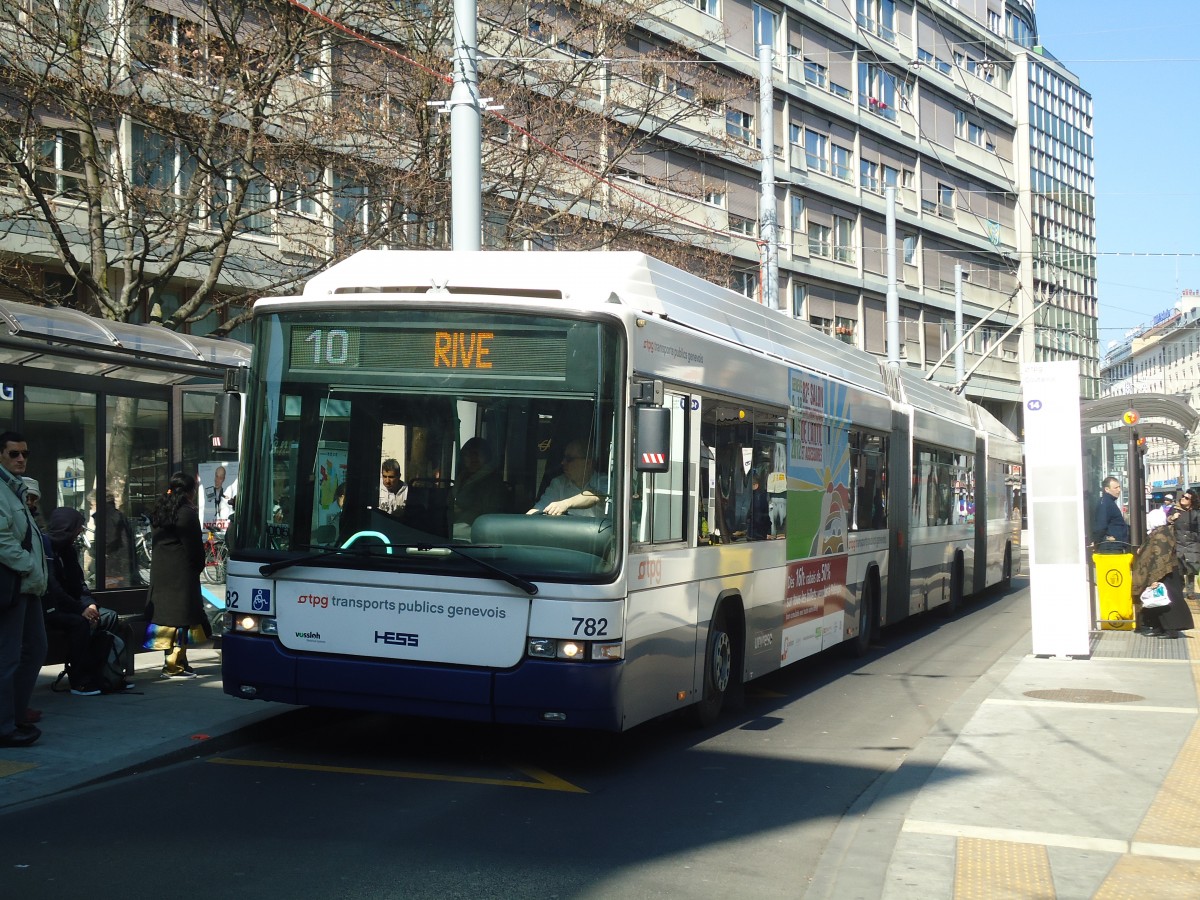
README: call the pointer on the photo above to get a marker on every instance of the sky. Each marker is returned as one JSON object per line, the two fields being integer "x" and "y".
{"x": 1141, "y": 64}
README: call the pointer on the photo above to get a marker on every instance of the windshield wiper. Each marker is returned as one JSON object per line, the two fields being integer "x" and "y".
{"x": 515, "y": 580}
{"x": 424, "y": 549}
{"x": 272, "y": 568}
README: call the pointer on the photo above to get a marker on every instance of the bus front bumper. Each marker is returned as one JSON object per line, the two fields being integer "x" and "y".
{"x": 535, "y": 692}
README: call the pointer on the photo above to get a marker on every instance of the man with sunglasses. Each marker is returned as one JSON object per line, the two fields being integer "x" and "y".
{"x": 23, "y": 577}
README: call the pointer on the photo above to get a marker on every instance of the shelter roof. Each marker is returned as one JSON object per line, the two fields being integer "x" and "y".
{"x": 67, "y": 340}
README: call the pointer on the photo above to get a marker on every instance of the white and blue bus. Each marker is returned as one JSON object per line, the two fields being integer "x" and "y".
{"x": 745, "y": 492}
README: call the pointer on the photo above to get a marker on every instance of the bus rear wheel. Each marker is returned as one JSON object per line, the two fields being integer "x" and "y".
{"x": 1006, "y": 572}
{"x": 718, "y": 671}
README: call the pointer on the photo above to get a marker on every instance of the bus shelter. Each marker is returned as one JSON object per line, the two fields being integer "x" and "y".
{"x": 110, "y": 410}
{"x": 1112, "y": 429}
{"x": 1115, "y": 431}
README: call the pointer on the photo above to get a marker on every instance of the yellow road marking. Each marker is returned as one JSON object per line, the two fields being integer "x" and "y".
{"x": 12, "y": 768}
{"x": 542, "y": 781}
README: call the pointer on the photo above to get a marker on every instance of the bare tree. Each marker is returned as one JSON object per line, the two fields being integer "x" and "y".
{"x": 175, "y": 164}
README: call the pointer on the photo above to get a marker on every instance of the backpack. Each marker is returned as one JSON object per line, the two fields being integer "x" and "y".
{"x": 105, "y": 666}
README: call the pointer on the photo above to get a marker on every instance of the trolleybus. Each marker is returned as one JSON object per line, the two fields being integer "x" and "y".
{"x": 743, "y": 492}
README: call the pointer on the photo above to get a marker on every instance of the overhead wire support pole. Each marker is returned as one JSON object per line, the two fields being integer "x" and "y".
{"x": 767, "y": 216}
{"x": 958, "y": 388}
{"x": 466, "y": 132}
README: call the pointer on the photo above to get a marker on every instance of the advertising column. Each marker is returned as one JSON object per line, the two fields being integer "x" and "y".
{"x": 1058, "y": 577}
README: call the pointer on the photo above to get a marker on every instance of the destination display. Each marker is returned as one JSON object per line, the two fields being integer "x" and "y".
{"x": 428, "y": 349}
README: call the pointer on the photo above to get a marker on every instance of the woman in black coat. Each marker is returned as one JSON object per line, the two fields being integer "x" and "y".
{"x": 175, "y": 566}
{"x": 1167, "y": 621}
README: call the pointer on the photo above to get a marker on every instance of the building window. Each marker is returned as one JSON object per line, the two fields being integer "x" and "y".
{"x": 706, "y": 6}
{"x": 740, "y": 126}
{"x": 877, "y": 91}
{"x": 945, "y": 207}
{"x": 798, "y": 296}
{"x": 820, "y": 241}
{"x": 845, "y": 329}
{"x": 821, "y": 323}
{"x": 743, "y": 225}
{"x": 816, "y": 151}
{"x": 746, "y": 283}
{"x": 879, "y": 18}
{"x": 839, "y": 158}
{"x": 715, "y": 198}
{"x": 843, "y": 237}
{"x": 766, "y": 29}
{"x": 910, "y": 249}
{"x": 60, "y": 163}
{"x": 815, "y": 73}
{"x": 869, "y": 176}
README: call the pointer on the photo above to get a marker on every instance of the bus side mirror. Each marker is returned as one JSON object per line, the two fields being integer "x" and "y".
{"x": 653, "y": 450}
{"x": 227, "y": 422}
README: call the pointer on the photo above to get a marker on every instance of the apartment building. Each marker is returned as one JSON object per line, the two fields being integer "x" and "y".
{"x": 985, "y": 138}
{"x": 1056, "y": 183}
{"x": 1161, "y": 358}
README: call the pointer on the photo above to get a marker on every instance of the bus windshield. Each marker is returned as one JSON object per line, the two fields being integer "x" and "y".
{"x": 384, "y": 438}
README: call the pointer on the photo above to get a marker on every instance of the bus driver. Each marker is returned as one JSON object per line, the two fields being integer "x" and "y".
{"x": 577, "y": 489}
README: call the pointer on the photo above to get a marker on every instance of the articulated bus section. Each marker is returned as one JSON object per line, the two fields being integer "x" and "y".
{"x": 744, "y": 492}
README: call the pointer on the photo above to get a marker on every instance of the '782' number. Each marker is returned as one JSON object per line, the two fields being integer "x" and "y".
{"x": 590, "y": 627}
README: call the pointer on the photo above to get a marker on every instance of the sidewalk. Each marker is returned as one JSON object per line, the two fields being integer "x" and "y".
{"x": 1050, "y": 778}
{"x": 88, "y": 738}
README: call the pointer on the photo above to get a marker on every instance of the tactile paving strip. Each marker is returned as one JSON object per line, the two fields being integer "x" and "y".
{"x": 1143, "y": 877}
{"x": 1000, "y": 870}
{"x": 1174, "y": 816}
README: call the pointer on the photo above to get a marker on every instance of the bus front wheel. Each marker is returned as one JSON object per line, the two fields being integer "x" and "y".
{"x": 858, "y": 646}
{"x": 718, "y": 669}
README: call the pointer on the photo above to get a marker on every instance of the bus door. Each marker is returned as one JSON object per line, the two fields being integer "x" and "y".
{"x": 898, "y": 575}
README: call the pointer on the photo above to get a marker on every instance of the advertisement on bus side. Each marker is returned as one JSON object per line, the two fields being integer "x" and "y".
{"x": 818, "y": 502}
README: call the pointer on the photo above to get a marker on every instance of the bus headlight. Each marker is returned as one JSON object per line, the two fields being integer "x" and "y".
{"x": 246, "y": 624}
{"x": 574, "y": 651}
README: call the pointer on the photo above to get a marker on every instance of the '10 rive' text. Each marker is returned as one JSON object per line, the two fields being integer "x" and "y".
{"x": 462, "y": 350}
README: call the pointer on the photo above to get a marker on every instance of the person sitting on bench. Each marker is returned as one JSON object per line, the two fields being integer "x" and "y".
{"x": 69, "y": 605}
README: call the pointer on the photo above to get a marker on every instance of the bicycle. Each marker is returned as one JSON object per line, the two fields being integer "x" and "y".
{"x": 216, "y": 554}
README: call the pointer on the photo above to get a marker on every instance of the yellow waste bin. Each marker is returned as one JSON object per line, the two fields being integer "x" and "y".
{"x": 1114, "y": 590}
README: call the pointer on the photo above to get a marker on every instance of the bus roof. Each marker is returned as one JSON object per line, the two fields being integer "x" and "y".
{"x": 636, "y": 281}
{"x": 593, "y": 279}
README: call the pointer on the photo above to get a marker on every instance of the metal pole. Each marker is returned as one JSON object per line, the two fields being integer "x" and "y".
{"x": 768, "y": 225}
{"x": 893, "y": 294}
{"x": 960, "y": 364}
{"x": 466, "y": 133}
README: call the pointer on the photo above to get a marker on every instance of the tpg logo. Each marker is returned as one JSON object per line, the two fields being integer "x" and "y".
{"x": 650, "y": 570}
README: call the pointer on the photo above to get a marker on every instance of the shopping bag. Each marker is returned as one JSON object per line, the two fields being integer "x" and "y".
{"x": 1155, "y": 595}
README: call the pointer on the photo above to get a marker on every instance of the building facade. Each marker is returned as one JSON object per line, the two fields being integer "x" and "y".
{"x": 1056, "y": 183}
{"x": 986, "y": 139}
{"x": 1161, "y": 358}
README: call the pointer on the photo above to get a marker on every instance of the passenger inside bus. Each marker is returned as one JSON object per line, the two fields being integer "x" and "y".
{"x": 479, "y": 489}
